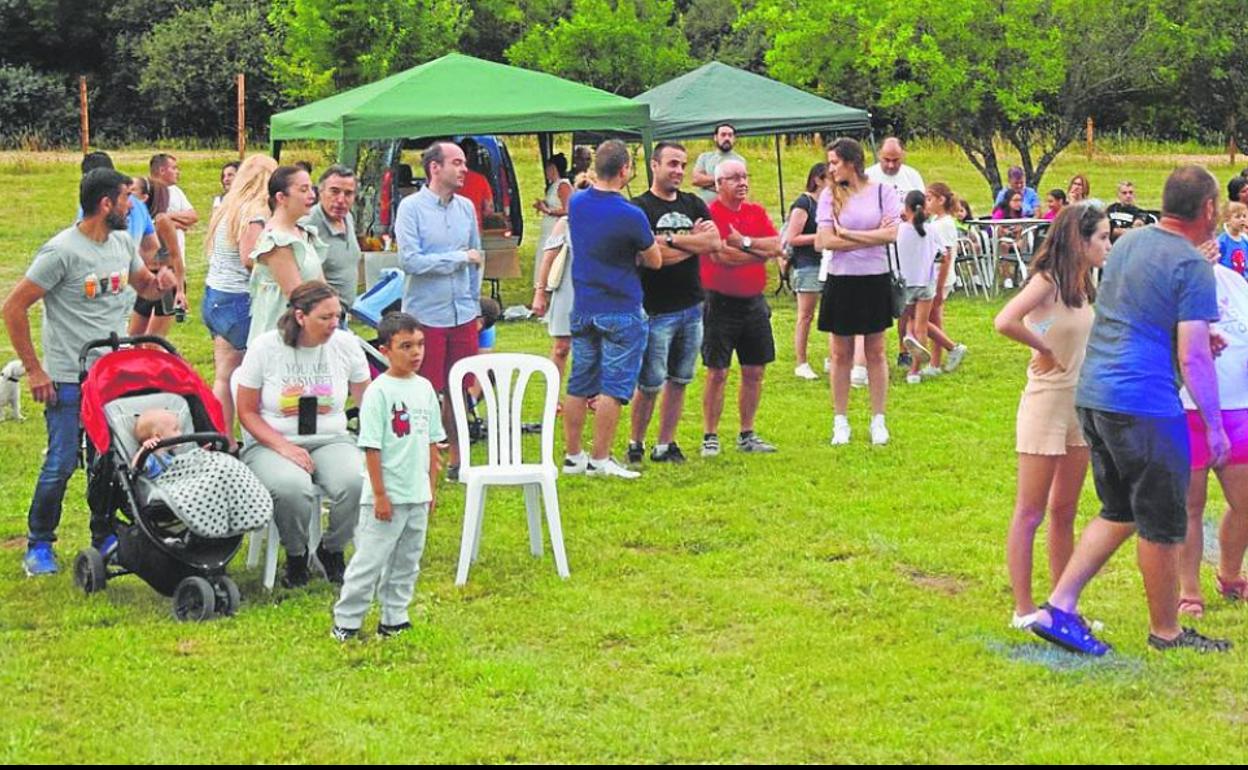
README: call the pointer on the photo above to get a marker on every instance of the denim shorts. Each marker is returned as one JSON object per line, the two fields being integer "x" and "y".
{"x": 606, "y": 354}
{"x": 227, "y": 315}
{"x": 805, "y": 280}
{"x": 672, "y": 350}
{"x": 1141, "y": 469}
{"x": 920, "y": 293}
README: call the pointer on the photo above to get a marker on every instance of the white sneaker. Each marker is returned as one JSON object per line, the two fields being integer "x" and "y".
{"x": 840, "y": 430}
{"x": 930, "y": 371}
{"x": 955, "y": 357}
{"x": 609, "y": 467}
{"x": 858, "y": 376}
{"x": 1008, "y": 283}
{"x": 1024, "y": 622}
{"x": 575, "y": 465}
{"x": 916, "y": 349}
{"x": 913, "y": 378}
{"x": 827, "y": 366}
{"x": 805, "y": 372}
{"x": 879, "y": 432}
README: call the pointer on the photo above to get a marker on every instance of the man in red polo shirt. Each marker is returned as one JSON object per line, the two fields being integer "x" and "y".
{"x": 736, "y": 317}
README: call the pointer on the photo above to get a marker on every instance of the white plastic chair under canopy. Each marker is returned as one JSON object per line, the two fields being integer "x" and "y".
{"x": 504, "y": 378}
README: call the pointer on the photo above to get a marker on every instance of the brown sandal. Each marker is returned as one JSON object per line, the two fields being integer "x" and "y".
{"x": 1192, "y": 607}
{"x": 1235, "y": 588}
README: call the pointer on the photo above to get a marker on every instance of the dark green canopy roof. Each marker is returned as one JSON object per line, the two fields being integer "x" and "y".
{"x": 694, "y": 103}
{"x": 459, "y": 94}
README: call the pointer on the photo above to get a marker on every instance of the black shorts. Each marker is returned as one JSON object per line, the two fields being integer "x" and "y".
{"x": 148, "y": 307}
{"x": 742, "y": 324}
{"x": 856, "y": 304}
{"x": 1141, "y": 468}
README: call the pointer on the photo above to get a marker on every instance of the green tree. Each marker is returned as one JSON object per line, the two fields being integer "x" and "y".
{"x": 331, "y": 45}
{"x": 1027, "y": 71}
{"x": 497, "y": 24}
{"x": 623, "y": 46}
{"x": 188, "y": 66}
{"x": 717, "y": 30}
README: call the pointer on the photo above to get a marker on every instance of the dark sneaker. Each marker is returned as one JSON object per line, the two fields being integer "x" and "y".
{"x": 1069, "y": 631}
{"x": 636, "y": 452}
{"x": 387, "y": 631}
{"x": 333, "y": 562}
{"x": 903, "y": 360}
{"x": 752, "y": 443}
{"x": 1189, "y": 639}
{"x": 297, "y": 574}
{"x": 40, "y": 559}
{"x": 344, "y": 634}
{"x": 672, "y": 455}
{"x": 452, "y": 473}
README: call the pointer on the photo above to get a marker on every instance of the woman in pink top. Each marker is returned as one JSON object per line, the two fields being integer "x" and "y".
{"x": 857, "y": 220}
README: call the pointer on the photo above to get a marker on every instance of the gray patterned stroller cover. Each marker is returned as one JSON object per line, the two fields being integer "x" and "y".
{"x": 212, "y": 493}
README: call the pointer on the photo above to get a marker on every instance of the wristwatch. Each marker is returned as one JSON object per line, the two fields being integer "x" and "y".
{"x": 669, "y": 240}
{"x": 746, "y": 243}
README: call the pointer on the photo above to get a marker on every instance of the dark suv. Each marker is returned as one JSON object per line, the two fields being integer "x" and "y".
{"x": 390, "y": 170}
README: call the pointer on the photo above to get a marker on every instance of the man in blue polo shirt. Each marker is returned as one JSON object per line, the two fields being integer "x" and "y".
{"x": 610, "y": 238}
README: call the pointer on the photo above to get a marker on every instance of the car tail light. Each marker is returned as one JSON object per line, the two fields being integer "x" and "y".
{"x": 387, "y": 197}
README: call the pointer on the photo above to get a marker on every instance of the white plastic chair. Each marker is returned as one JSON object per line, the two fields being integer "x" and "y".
{"x": 258, "y": 539}
{"x": 504, "y": 377}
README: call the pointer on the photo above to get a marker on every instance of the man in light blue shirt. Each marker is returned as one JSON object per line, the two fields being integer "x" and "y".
{"x": 440, "y": 250}
{"x": 139, "y": 222}
{"x": 1018, "y": 184}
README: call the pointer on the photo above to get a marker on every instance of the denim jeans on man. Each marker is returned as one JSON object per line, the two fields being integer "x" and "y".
{"x": 64, "y": 436}
{"x": 672, "y": 349}
{"x": 606, "y": 354}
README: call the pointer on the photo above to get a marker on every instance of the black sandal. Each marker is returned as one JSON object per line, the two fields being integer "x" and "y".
{"x": 1189, "y": 638}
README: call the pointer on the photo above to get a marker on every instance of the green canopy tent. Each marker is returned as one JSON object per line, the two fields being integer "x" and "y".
{"x": 692, "y": 105}
{"x": 458, "y": 94}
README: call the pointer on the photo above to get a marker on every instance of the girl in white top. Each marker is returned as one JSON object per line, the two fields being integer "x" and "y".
{"x": 917, "y": 248}
{"x": 1232, "y": 371}
{"x": 940, "y": 205}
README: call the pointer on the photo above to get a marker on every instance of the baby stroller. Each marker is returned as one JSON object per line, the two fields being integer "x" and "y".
{"x": 153, "y": 540}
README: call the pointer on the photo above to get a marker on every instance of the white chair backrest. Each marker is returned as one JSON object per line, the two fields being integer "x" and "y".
{"x": 247, "y": 437}
{"x": 504, "y": 378}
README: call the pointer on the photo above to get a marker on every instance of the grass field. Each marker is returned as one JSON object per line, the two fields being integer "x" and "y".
{"x": 818, "y": 604}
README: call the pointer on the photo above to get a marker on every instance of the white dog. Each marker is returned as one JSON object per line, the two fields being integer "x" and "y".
{"x": 11, "y": 388}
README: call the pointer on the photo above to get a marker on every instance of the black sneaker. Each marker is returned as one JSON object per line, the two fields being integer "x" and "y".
{"x": 903, "y": 360}
{"x": 333, "y": 562}
{"x": 636, "y": 452}
{"x": 672, "y": 455}
{"x": 388, "y": 631}
{"x": 452, "y": 473}
{"x": 344, "y": 634}
{"x": 1190, "y": 639}
{"x": 297, "y": 573}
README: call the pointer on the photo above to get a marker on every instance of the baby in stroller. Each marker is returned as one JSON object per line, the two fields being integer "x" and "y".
{"x": 214, "y": 494}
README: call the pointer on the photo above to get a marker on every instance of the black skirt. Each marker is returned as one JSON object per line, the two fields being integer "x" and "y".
{"x": 856, "y": 304}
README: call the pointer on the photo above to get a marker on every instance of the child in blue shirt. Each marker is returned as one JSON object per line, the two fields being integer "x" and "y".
{"x": 400, "y": 424}
{"x": 1233, "y": 242}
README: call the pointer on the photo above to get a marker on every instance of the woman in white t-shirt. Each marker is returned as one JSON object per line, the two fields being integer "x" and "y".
{"x": 1232, "y": 372}
{"x": 292, "y": 394}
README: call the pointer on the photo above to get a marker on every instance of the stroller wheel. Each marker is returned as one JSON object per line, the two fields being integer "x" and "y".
{"x": 194, "y": 599}
{"x": 228, "y": 596}
{"x": 89, "y": 572}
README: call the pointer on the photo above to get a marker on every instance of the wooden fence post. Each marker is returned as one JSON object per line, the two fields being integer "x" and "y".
{"x": 242, "y": 115}
{"x": 85, "y": 126}
{"x": 1091, "y": 133}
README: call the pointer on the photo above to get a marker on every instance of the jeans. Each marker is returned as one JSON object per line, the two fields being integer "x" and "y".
{"x": 606, "y": 354}
{"x": 64, "y": 441}
{"x": 672, "y": 350}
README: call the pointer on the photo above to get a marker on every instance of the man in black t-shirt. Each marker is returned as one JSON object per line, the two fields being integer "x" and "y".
{"x": 1124, "y": 214}
{"x": 673, "y": 300}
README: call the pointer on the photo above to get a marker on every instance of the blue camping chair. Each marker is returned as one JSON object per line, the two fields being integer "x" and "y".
{"x": 371, "y": 306}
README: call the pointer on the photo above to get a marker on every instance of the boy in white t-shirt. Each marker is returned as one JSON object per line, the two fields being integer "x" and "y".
{"x": 400, "y": 424}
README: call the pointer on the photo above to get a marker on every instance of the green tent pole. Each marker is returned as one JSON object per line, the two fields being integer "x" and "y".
{"x": 780, "y": 176}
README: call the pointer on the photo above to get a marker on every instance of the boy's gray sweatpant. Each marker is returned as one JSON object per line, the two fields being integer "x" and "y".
{"x": 386, "y": 563}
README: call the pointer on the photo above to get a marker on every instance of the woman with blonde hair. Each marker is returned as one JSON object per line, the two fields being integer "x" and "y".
{"x": 233, "y": 230}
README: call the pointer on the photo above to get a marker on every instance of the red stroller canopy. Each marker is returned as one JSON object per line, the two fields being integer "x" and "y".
{"x": 133, "y": 370}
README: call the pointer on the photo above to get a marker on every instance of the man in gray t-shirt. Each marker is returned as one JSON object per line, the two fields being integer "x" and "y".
{"x": 704, "y": 169}
{"x": 331, "y": 217}
{"x": 1153, "y": 306}
{"x": 87, "y": 276}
